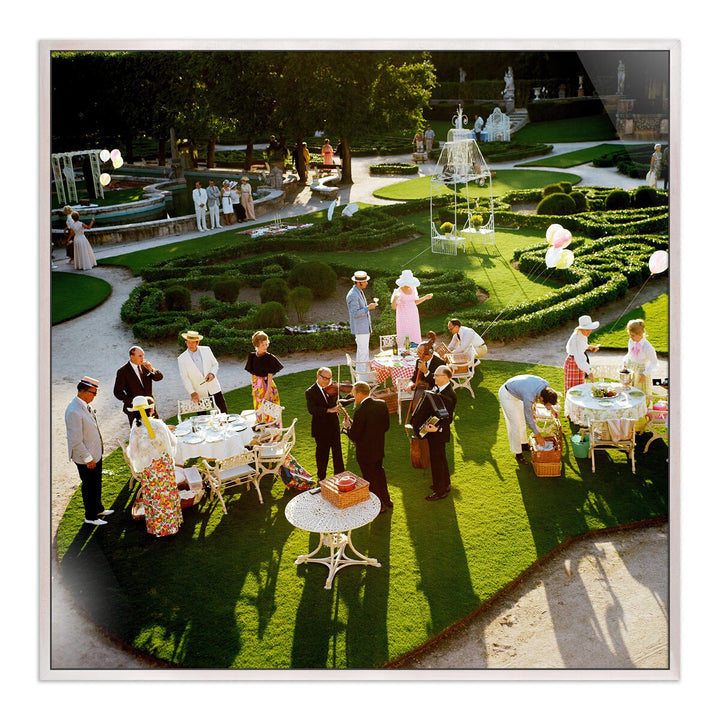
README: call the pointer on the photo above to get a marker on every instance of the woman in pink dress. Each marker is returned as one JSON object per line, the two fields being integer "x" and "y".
{"x": 404, "y": 301}
{"x": 327, "y": 153}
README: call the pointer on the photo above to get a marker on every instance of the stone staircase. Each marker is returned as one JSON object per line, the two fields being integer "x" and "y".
{"x": 518, "y": 118}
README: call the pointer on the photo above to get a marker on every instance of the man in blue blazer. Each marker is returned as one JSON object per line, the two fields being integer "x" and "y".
{"x": 360, "y": 324}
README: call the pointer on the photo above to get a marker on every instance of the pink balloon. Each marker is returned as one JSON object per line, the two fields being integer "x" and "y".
{"x": 562, "y": 238}
{"x": 658, "y": 262}
{"x": 115, "y": 154}
{"x": 550, "y": 232}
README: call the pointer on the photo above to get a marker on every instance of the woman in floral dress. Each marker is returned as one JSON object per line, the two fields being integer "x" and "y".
{"x": 263, "y": 365}
{"x": 153, "y": 459}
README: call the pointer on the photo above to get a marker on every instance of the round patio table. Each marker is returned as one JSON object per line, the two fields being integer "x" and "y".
{"x": 313, "y": 513}
{"x": 394, "y": 367}
{"x": 582, "y": 407}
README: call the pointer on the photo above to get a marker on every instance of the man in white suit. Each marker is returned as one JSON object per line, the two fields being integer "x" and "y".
{"x": 85, "y": 449}
{"x": 200, "y": 199}
{"x": 198, "y": 370}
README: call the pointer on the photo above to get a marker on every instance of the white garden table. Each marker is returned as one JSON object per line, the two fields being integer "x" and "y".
{"x": 212, "y": 438}
{"x": 582, "y": 407}
{"x": 313, "y": 513}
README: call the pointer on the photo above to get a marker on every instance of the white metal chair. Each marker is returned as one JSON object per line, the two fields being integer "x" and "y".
{"x": 134, "y": 477}
{"x": 463, "y": 368}
{"x": 271, "y": 456}
{"x": 618, "y": 434}
{"x": 387, "y": 342}
{"x": 271, "y": 410}
{"x": 231, "y": 472}
{"x": 369, "y": 376}
{"x": 403, "y": 393}
{"x": 657, "y": 420}
{"x": 187, "y": 407}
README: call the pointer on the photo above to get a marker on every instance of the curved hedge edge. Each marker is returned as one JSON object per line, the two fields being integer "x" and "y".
{"x": 503, "y": 593}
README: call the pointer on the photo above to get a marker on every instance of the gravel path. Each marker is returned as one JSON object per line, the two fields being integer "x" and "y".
{"x": 626, "y": 609}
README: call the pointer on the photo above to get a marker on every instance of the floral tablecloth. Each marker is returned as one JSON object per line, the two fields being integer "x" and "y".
{"x": 582, "y": 407}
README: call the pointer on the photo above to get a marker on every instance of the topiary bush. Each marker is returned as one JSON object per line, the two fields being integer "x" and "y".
{"x": 552, "y": 189}
{"x": 644, "y": 197}
{"x": 178, "y": 297}
{"x": 581, "y": 203}
{"x": 270, "y": 315}
{"x": 316, "y": 275}
{"x": 617, "y": 200}
{"x": 275, "y": 290}
{"x": 556, "y": 204}
{"x": 301, "y": 299}
{"x": 226, "y": 289}
{"x": 566, "y": 187}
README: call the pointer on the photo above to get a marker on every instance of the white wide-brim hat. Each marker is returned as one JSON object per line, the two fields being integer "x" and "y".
{"x": 360, "y": 276}
{"x": 192, "y": 335}
{"x": 142, "y": 403}
{"x": 407, "y": 278}
{"x": 585, "y": 323}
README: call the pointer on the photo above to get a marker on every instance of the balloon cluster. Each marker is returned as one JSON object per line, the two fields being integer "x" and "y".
{"x": 117, "y": 161}
{"x": 557, "y": 255}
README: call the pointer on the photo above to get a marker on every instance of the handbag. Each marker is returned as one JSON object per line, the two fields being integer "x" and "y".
{"x": 650, "y": 178}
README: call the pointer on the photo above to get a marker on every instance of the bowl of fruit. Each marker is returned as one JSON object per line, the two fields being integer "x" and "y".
{"x": 603, "y": 392}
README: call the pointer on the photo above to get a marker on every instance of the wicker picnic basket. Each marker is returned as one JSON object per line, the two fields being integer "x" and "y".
{"x": 547, "y": 463}
{"x": 330, "y": 492}
{"x": 389, "y": 397}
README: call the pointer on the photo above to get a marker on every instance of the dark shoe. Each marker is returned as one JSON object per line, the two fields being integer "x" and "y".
{"x": 383, "y": 509}
{"x": 525, "y": 447}
{"x": 436, "y": 496}
{"x": 520, "y": 458}
{"x": 389, "y": 505}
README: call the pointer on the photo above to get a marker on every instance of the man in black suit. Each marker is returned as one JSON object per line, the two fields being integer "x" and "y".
{"x": 438, "y": 435}
{"x": 135, "y": 378}
{"x": 370, "y": 422}
{"x": 324, "y": 426}
{"x": 427, "y": 362}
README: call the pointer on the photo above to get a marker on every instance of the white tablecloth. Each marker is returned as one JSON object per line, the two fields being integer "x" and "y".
{"x": 581, "y": 406}
{"x": 212, "y": 439}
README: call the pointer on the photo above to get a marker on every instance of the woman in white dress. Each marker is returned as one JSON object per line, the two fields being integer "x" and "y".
{"x": 84, "y": 256}
{"x": 227, "y": 206}
{"x": 641, "y": 357}
{"x": 67, "y": 234}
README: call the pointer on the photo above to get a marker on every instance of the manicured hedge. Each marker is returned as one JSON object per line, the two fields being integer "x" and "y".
{"x": 394, "y": 169}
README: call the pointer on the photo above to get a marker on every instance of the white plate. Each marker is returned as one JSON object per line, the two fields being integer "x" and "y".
{"x": 182, "y": 431}
{"x": 239, "y": 427}
{"x": 194, "y": 439}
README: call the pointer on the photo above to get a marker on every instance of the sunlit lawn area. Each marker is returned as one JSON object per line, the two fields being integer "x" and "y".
{"x": 74, "y": 293}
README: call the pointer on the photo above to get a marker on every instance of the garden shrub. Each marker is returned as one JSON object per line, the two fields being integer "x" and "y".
{"x": 178, "y": 297}
{"x": 556, "y": 204}
{"x": 316, "y": 275}
{"x": 301, "y": 299}
{"x": 400, "y": 168}
{"x": 566, "y": 187}
{"x": 275, "y": 290}
{"x": 446, "y": 228}
{"x": 617, "y": 200}
{"x": 581, "y": 203}
{"x": 645, "y": 196}
{"x": 552, "y": 189}
{"x": 270, "y": 315}
{"x": 226, "y": 289}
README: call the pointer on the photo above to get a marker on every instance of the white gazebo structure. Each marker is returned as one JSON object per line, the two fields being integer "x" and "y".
{"x": 461, "y": 164}
{"x": 64, "y": 174}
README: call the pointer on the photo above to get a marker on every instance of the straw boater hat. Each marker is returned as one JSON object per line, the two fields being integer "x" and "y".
{"x": 407, "y": 279}
{"x": 142, "y": 403}
{"x": 360, "y": 276}
{"x": 90, "y": 382}
{"x": 192, "y": 335}
{"x": 585, "y": 323}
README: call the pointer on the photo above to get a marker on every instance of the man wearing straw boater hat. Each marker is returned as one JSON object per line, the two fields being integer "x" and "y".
{"x": 85, "y": 448}
{"x": 198, "y": 371}
{"x": 359, "y": 312}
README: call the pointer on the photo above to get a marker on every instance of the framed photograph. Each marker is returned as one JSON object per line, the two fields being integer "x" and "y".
{"x": 241, "y": 222}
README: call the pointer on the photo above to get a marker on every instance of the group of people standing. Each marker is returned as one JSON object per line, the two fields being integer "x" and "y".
{"x": 423, "y": 140}
{"x": 235, "y": 202}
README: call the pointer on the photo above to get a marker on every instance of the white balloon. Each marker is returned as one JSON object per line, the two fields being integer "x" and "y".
{"x": 331, "y": 209}
{"x": 551, "y": 231}
{"x": 552, "y": 256}
{"x": 351, "y": 209}
{"x": 118, "y": 162}
{"x": 658, "y": 262}
{"x": 104, "y": 155}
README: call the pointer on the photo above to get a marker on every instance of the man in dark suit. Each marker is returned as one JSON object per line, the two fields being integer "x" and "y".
{"x": 133, "y": 379}
{"x": 427, "y": 362}
{"x": 438, "y": 435}
{"x": 324, "y": 426}
{"x": 370, "y": 422}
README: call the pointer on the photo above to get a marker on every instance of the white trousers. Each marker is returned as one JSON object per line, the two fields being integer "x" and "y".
{"x": 214, "y": 216}
{"x": 200, "y": 215}
{"x": 362, "y": 357}
{"x": 514, "y": 414}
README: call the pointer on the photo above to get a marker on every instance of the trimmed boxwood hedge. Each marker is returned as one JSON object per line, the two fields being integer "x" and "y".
{"x": 394, "y": 169}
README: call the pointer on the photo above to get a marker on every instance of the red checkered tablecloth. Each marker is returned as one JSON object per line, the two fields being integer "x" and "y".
{"x": 389, "y": 367}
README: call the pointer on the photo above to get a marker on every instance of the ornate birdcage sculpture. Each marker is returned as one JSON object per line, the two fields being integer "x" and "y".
{"x": 461, "y": 166}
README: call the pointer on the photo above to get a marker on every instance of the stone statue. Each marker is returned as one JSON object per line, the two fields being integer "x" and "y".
{"x": 509, "y": 92}
{"x": 621, "y": 78}
{"x": 463, "y": 75}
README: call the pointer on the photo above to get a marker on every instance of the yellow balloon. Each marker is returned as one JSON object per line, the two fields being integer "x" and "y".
{"x": 565, "y": 260}
{"x": 104, "y": 179}
{"x": 117, "y": 162}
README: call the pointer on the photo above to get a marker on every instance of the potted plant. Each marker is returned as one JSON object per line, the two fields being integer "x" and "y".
{"x": 446, "y": 228}
{"x": 476, "y": 222}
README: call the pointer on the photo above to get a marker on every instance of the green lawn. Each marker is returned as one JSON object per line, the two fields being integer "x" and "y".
{"x": 656, "y": 317}
{"x": 577, "y": 157}
{"x": 503, "y": 182}
{"x": 73, "y": 294}
{"x": 225, "y": 592}
{"x": 586, "y": 129}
